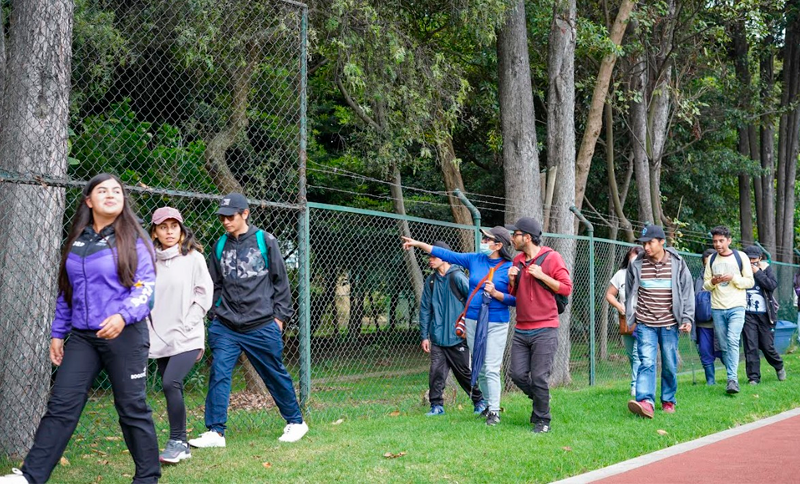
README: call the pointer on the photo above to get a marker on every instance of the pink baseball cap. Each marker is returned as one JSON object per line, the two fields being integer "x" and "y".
{"x": 165, "y": 213}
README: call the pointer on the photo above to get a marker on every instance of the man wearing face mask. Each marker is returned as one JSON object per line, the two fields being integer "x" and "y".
{"x": 488, "y": 269}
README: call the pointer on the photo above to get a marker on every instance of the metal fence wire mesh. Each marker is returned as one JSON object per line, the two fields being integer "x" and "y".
{"x": 190, "y": 100}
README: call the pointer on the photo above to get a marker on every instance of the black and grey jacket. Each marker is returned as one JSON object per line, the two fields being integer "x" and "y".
{"x": 768, "y": 282}
{"x": 248, "y": 294}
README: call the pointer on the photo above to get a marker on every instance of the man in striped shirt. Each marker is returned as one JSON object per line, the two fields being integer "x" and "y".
{"x": 660, "y": 303}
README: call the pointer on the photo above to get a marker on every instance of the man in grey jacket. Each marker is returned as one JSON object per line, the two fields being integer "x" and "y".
{"x": 443, "y": 298}
{"x": 660, "y": 303}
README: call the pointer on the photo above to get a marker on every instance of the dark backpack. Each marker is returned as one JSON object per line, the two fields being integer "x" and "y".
{"x": 453, "y": 286}
{"x": 561, "y": 300}
{"x": 702, "y": 303}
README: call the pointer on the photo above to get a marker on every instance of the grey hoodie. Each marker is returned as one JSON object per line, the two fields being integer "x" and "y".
{"x": 682, "y": 288}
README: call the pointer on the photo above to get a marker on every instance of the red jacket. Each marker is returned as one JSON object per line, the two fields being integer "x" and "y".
{"x": 536, "y": 305}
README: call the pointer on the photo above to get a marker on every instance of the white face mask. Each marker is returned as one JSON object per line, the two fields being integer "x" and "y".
{"x": 485, "y": 249}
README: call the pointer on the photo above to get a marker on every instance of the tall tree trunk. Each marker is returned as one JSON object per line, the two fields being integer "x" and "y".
{"x": 638, "y": 84}
{"x": 451, "y": 174}
{"x": 356, "y": 316}
{"x": 594, "y": 121}
{"x": 767, "y": 144}
{"x": 217, "y": 145}
{"x": 742, "y": 67}
{"x": 517, "y": 120}
{"x": 33, "y": 140}
{"x": 659, "y": 117}
{"x": 412, "y": 266}
{"x": 615, "y": 201}
{"x": 561, "y": 152}
{"x": 788, "y": 132}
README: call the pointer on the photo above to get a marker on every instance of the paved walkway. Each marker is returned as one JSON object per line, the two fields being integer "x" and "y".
{"x": 763, "y": 452}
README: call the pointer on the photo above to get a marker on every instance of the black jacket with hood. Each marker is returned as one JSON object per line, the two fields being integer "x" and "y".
{"x": 247, "y": 294}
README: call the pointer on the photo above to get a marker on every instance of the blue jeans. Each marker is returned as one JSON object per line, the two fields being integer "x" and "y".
{"x": 489, "y": 377}
{"x": 728, "y": 324}
{"x": 264, "y": 349}
{"x": 648, "y": 340}
{"x": 631, "y": 347}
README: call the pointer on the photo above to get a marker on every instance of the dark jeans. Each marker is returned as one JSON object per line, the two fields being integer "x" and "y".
{"x": 758, "y": 335}
{"x": 125, "y": 360}
{"x": 172, "y": 370}
{"x": 264, "y": 348}
{"x": 444, "y": 359}
{"x": 531, "y": 362}
{"x": 705, "y": 346}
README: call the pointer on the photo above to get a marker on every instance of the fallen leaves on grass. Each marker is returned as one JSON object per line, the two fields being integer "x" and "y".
{"x": 115, "y": 438}
{"x": 567, "y": 448}
{"x": 267, "y": 465}
{"x": 64, "y": 461}
{"x": 389, "y": 455}
{"x": 396, "y": 413}
{"x": 755, "y": 395}
{"x": 338, "y": 422}
{"x": 661, "y": 432}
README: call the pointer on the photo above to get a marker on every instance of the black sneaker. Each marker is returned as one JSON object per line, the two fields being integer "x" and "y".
{"x": 541, "y": 427}
{"x": 492, "y": 418}
{"x": 733, "y": 387}
{"x": 484, "y": 413}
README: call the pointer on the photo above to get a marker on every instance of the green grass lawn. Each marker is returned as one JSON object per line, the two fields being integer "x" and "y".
{"x": 592, "y": 428}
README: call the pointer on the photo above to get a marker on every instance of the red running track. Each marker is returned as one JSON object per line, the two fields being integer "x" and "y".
{"x": 765, "y": 454}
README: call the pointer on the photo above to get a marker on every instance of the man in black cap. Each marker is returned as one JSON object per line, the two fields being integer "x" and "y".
{"x": 538, "y": 274}
{"x": 252, "y": 302}
{"x": 660, "y": 303}
{"x": 443, "y": 299}
{"x": 759, "y": 319}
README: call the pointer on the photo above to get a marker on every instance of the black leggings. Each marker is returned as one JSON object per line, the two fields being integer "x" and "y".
{"x": 172, "y": 370}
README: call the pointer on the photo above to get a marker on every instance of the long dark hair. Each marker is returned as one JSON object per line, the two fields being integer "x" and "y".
{"x": 126, "y": 232}
{"x": 627, "y": 259}
{"x": 187, "y": 242}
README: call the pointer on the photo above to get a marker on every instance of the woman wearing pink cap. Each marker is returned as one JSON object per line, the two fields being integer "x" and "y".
{"x": 183, "y": 295}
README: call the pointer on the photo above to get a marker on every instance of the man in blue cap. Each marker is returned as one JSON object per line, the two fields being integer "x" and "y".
{"x": 252, "y": 302}
{"x": 660, "y": 303}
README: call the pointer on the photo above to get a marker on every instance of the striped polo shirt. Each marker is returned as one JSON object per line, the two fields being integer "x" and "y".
{"x": 654, "y": 306}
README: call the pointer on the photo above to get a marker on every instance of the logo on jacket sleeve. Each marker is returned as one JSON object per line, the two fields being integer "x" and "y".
{"x": 137, "y": 376}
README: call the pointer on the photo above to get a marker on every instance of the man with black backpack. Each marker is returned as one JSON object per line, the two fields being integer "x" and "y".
{"x": 252, "y": 302}
{"x": 540, "y": 281}
{"x": 728, "y": 278}
{"x": 443, "y": 298}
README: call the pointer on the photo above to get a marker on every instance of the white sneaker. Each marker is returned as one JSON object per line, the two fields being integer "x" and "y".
{"x": 208, "y": 439}
{"x": 293, "y": 432}
{"x": 15, "y": 477}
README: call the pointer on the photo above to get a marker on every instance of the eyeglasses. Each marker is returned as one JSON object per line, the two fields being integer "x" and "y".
{"x": 228, "y": 217}
{"x": 517, "y": 234}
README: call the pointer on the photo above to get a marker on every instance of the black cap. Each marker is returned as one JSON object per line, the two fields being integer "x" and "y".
{"x": 232, "y": 203}
{"x": 527, "y": 225}
{"x": 442, "y": 244}
{"x": 754, "y": 252}
{"x": 652, "y": 232}
{"x": 499, "y": 234}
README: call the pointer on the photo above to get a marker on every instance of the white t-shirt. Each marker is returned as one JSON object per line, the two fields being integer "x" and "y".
{"x": 618, "y": 281}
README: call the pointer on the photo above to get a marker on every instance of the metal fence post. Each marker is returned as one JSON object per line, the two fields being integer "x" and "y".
{"x": 476, "y": 216}
{"x": 304, "y": 236}
{"x": 592, "y": 350}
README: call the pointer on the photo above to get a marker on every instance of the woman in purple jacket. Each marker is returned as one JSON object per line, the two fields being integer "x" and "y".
{"x": 105, "y": 287}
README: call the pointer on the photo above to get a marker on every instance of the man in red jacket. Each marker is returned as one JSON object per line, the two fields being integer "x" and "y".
{"x": 538, "y": 273}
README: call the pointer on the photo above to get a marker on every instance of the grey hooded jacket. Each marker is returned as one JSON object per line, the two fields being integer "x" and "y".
{"x": 682, "y": 288}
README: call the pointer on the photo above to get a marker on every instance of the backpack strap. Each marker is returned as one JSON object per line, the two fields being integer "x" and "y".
{"x": 218, "y": 250}
{"x": 454, "y": 287}
{"x": 262, "y": 246}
